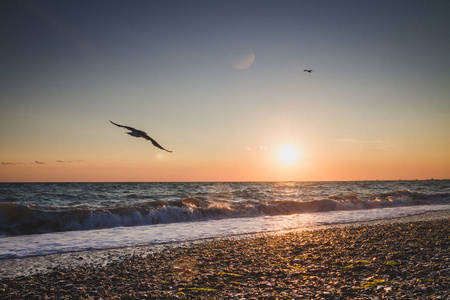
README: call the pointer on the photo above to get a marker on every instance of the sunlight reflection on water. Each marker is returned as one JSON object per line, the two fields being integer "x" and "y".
{"x": 21, "y": 246}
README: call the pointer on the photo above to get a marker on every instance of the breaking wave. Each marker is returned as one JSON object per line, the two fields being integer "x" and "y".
{"x": 20, "y": 219}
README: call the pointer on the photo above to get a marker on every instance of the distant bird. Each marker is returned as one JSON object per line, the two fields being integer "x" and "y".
{"x": 139, "y": 133}
{"x": 309, "y": 71}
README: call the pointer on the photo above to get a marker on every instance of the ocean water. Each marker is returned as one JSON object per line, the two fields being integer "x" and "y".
{"x": 46, "y": 218}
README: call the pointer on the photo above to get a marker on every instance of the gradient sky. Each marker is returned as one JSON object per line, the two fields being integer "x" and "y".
{"x": 221, "y": 83}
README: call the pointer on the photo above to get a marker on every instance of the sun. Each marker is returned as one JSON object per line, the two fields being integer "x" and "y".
{"x": 288, "y": 154}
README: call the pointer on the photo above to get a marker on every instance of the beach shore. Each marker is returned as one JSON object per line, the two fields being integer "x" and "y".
{"x": 404, "y": 258}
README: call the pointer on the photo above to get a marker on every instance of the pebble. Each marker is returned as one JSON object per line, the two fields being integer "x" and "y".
{"x": 364, "y": 261}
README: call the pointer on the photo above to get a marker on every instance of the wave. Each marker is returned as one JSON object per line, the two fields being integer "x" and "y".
{"x": 19, "y": 219}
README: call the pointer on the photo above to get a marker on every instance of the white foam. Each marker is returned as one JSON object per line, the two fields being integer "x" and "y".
{"x": 30, "y": 245}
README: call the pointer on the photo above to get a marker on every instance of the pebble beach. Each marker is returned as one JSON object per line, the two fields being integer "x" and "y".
{"x": 395, "y": 259}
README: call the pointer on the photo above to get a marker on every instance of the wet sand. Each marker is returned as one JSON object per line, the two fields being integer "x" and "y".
{"x": 392, "y": 259}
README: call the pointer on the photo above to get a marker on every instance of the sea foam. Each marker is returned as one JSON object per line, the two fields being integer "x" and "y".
{"x": 119, "y": 237}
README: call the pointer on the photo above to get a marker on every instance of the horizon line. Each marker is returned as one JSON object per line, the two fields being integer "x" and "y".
{"x": 238, "y": 181}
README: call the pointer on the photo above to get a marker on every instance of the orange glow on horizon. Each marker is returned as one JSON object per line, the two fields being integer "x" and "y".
{"x": 257, "y": 166}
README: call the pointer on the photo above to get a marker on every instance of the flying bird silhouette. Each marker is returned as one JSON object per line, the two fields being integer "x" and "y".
{"x": 139, "y": 133}
{"x": 309, "y": 71}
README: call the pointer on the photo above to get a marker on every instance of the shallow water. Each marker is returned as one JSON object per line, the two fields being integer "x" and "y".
{"x": 118, "y": 237}
{"x": 10, "y": 268}
{"x": 44, "y": 218}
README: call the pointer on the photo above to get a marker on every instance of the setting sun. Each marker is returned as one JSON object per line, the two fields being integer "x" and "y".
{"x": 288, "y": 154}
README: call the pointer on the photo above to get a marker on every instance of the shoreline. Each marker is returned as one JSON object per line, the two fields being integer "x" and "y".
{"x": 385, "y": 258}
{"x": 42, "y": 264}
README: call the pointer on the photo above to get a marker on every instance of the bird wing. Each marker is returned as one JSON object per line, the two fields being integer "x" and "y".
{"x": 127, "y": 127}
{"x": 155, "y": 143}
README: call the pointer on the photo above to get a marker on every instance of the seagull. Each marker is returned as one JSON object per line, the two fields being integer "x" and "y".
{"x": 309, "y": 71}
{"x": 139, "y": 133}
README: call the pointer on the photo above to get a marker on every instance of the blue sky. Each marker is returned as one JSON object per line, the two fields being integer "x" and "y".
{"x": 379, "y": 93}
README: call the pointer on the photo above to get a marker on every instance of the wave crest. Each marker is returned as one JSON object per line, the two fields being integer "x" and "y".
{"x": 18, "y": 219}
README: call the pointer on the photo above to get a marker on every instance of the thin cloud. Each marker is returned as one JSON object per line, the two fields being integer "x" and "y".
{"x": 39, "y": 162}
{"x": 10, "y": 163}
{"x": 69, "y": 161}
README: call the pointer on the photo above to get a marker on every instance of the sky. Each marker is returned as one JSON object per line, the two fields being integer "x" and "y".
{"x": 222, "y": 85}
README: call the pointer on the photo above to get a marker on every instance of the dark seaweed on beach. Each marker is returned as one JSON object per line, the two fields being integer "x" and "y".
{"x": 402, "y": 260}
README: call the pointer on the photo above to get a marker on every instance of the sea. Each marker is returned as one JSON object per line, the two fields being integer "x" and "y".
{"x": 48, "y": 218}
